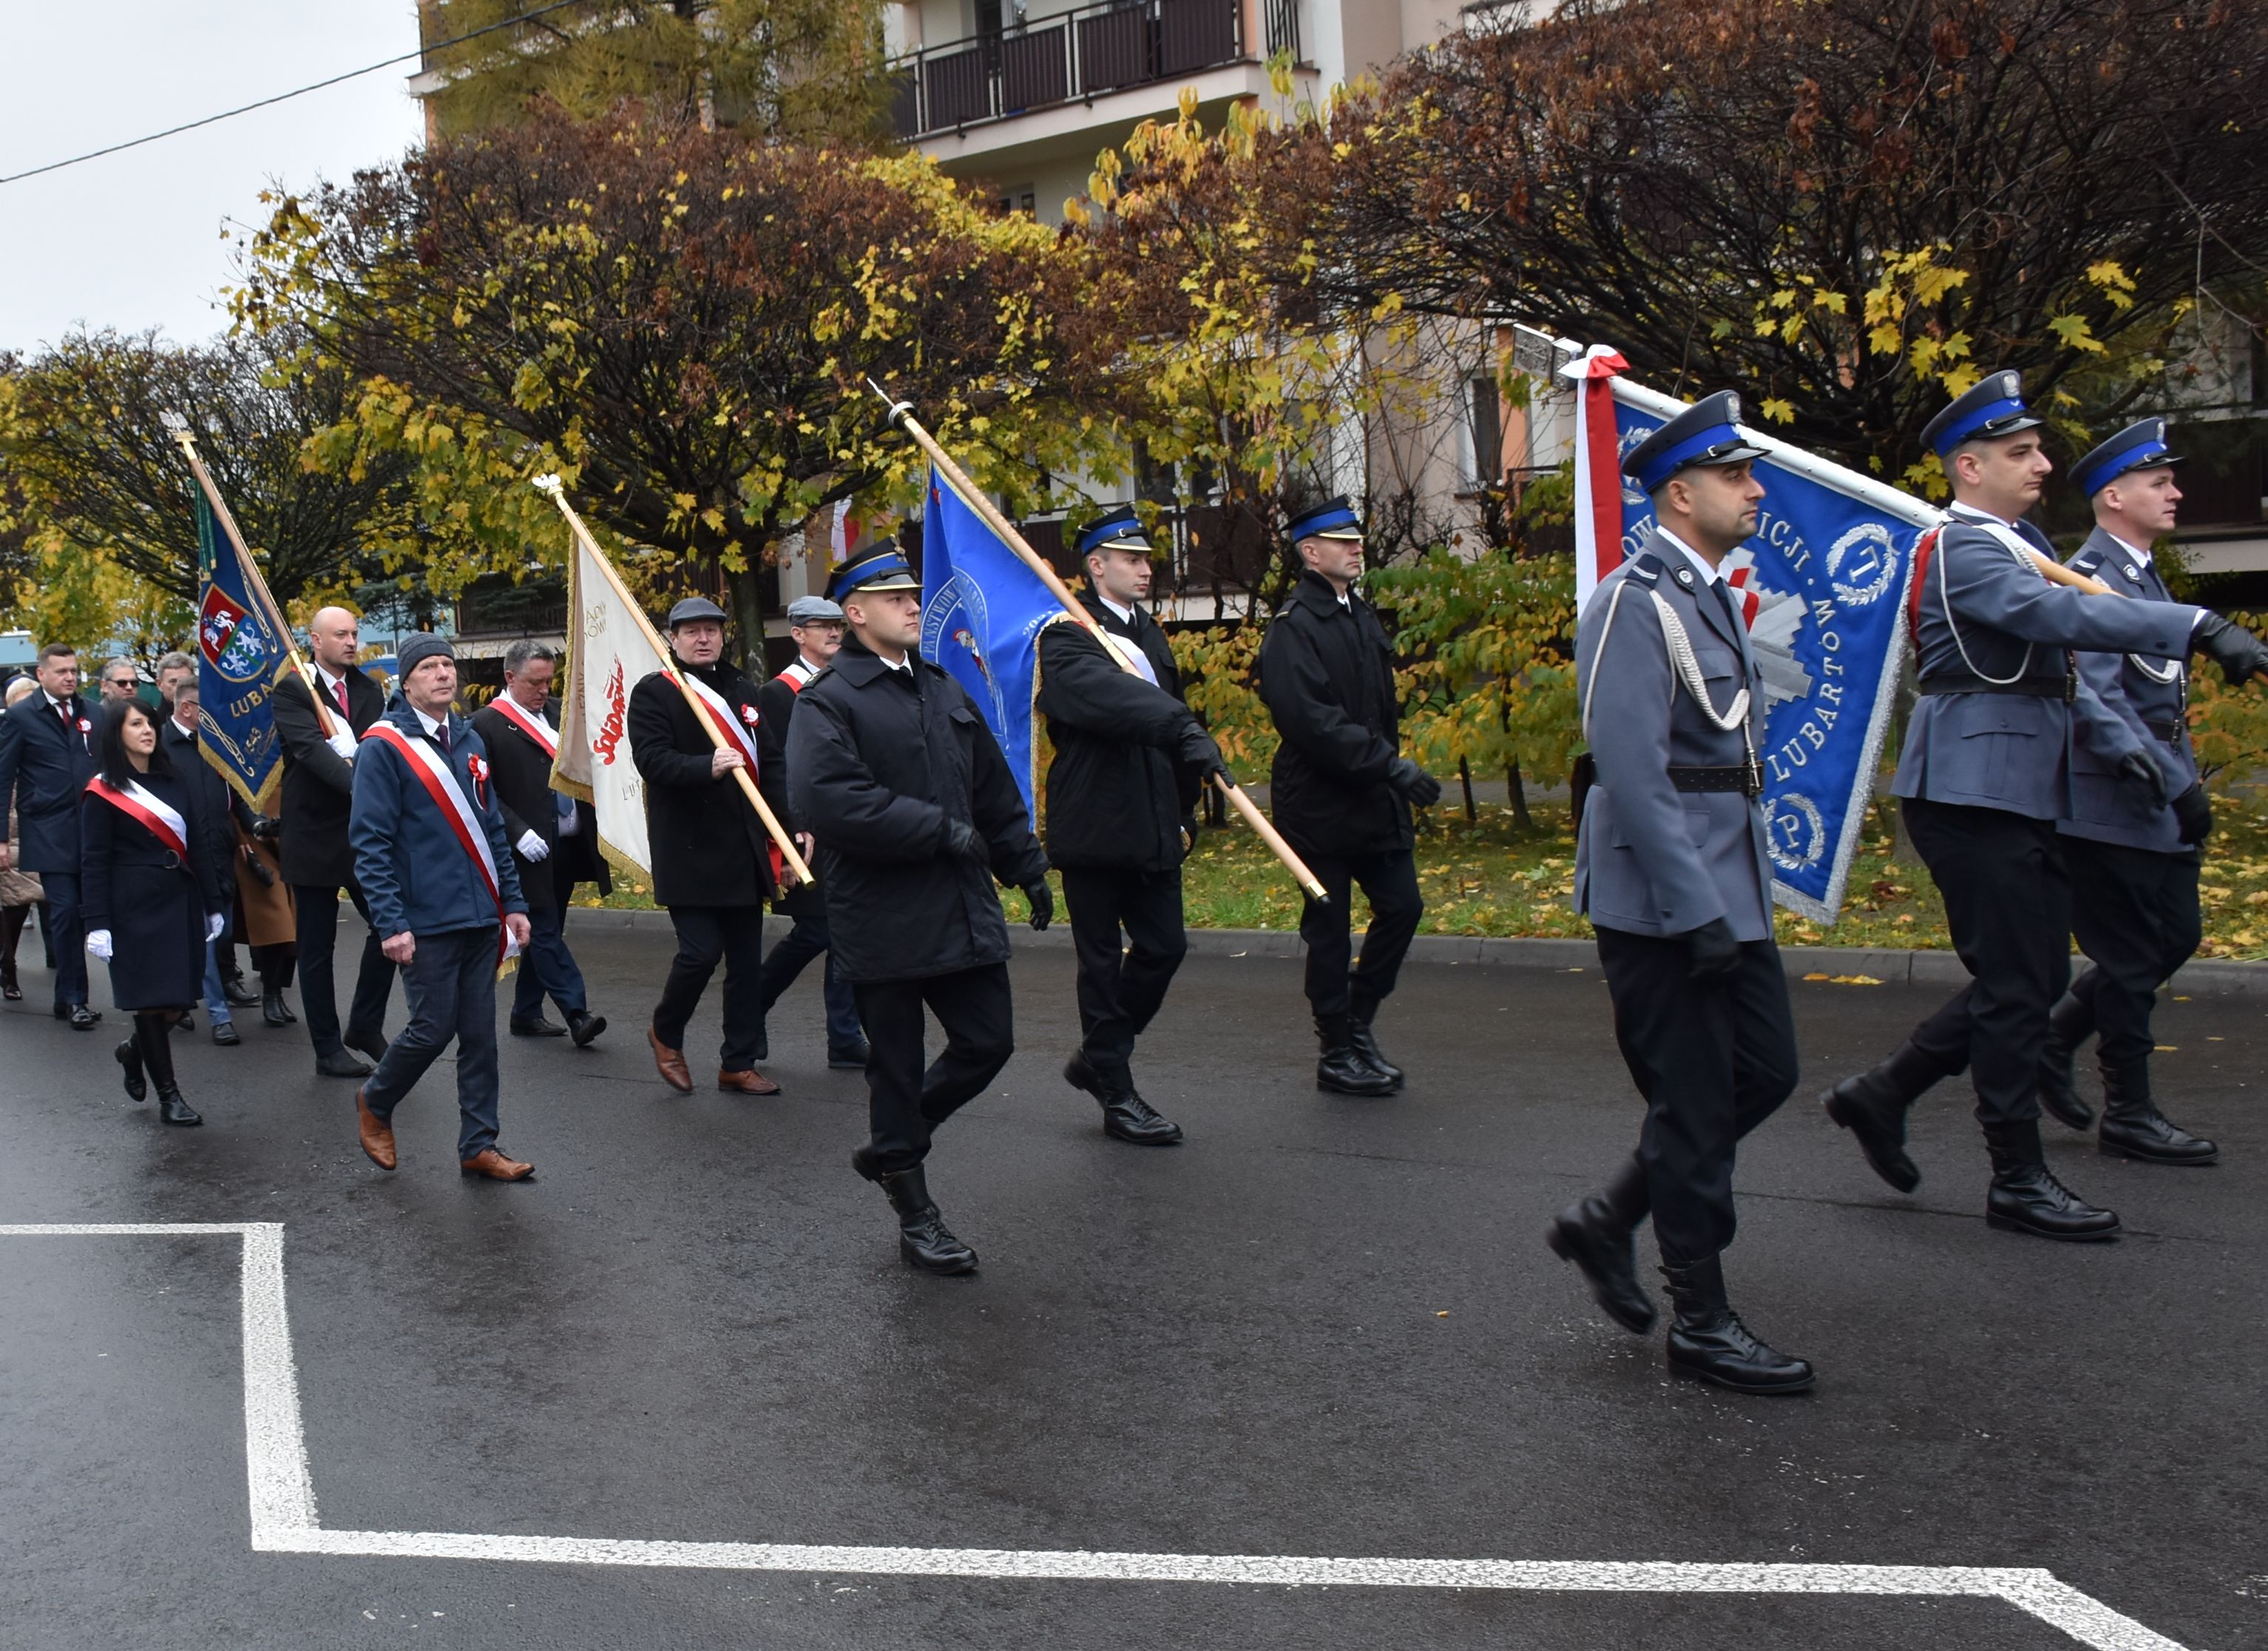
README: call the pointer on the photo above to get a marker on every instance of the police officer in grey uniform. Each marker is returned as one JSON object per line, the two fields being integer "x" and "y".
{"x": 2139, "y": 920}
{"x": 1986, "y": 775}
{"x": 1671, "y": 866}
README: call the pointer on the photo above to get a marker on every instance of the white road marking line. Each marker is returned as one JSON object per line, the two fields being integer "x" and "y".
{"x": 283, "y": 1519}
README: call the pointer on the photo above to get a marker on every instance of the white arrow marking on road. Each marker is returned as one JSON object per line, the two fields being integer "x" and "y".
{"x": 283, "y": 1520}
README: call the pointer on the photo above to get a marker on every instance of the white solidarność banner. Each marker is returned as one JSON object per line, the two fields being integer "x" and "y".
{"x": 607, "y": 654}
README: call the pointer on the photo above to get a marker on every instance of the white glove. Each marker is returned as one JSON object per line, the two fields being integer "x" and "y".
{"x": 531, "y": 847}
{"x": 98, "y": 944}
{"x": 214, "y": 924}
{"x": 344, "y": 743}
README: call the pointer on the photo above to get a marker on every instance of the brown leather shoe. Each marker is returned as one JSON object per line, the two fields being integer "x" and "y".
{"x": 670, "y": 1063}
{"x": 377, "y": 1137}
{"x": 746, "y": 1083}
{"x": 490, "y": 1163}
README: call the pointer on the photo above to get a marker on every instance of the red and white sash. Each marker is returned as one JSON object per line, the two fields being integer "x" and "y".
{"x": 433, "y": 772}
{"x": 528, "y": 722}
{"x": 739, "y": 724}
{"x": 138, "y": 803}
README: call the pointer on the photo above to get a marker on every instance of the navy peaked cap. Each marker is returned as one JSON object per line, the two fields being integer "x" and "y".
{"x": 1994, "y": 407}
{"x": 2140, "y": 446}
{"x": 1120, "y": 530}
{"x": 881, "y": 566}
{"x": 1707, "y": 433}
{"x": 1333, "y": 518}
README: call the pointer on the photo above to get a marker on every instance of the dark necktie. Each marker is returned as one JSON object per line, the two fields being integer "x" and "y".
{"x": 441, "y": 735}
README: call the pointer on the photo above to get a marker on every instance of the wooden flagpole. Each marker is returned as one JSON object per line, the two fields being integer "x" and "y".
{"x": 901, "y": 418}
{"x": 780, "y": 838}
{"x": 250, "y": 563}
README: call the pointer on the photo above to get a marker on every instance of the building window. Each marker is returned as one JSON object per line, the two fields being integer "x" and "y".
{"x": 1485, "y": 423}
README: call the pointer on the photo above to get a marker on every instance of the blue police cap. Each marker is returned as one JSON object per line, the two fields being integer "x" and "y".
{"x": 1120, "y": 530}
{"x": 2140, "y": 446}
{"x": 1707, "y": 433}
{"x": 1989, "y": 409}
{"x": 881, "y": 566}
{"x": 1333, "y": 518}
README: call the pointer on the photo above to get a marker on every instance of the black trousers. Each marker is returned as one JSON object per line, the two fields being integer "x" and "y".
{"x": 1119, "y": 991}
{"x": 319, "y": 998}
{"x": 906, "y": 1104}
{"x": 707, "y": 935}
{"x": 2136, "y": 914}
{"x": 1389, "y": 882}
{"x": 2008, "y": 902}
{"x": 1712, "y": 1060}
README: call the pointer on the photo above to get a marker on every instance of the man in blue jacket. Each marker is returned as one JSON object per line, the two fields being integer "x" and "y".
{"x": 1985, "y": 776}
{"x": 434, "y": 861}
{"x": 46, "y": 756}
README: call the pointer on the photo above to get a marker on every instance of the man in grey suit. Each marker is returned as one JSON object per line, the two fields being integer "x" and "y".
{"x": 1671, "y": 866}
{"x": 1986, "y": 775}
{"x": 2140, "y": 920}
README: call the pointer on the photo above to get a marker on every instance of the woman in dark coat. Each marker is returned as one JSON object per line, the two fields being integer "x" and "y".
{"x": 152, "y": 892}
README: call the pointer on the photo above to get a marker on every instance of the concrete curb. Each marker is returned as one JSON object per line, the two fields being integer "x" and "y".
{"x": 1892, "y": 968}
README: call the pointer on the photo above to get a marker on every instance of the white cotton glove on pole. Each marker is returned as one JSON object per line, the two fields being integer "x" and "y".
{"x": 214, "y": 923}
{"x": 98, "y": 944}
{"x": 344, "y": 743}
{"x": 531, "y": 847}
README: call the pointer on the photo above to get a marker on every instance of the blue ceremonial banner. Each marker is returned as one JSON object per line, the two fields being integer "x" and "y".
{"x": 1823, "y": 584}
{"x": 982, "y": 609}
{"x": 238, "y": 655}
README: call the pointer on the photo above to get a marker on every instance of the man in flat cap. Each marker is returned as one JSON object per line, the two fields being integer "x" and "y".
{"x": 1986, "y": 775}
{"x": 1671, "y": 865}
{"x": 2137, "y": 860}
{"x": 916, "y": 813}
{"x": 1341, "y": 792}
{"x": 712, "y": 856}
{"x": 431, "y": 857}
{"x": 815, "y": 624}
{"x": 1130, "y": 759}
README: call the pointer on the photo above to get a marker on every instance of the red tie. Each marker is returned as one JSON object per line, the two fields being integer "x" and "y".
{"x": 339, "y": 692}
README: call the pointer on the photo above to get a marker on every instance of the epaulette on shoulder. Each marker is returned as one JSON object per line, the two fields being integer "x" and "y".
{"x": 1644, "y": 568}
{"x": 2087, "y": 561}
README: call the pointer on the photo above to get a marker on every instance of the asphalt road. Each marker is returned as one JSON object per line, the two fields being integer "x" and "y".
{"x": 1323, "y": 1327}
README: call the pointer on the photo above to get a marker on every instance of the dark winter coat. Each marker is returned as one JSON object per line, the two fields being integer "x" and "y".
{"x": 709, "y": 847}
{"x": 879, "y": 761}
{"x": 776, "y": 710}
{"x": 1327, "y": 674}
{"x": 318, "y": 782}
{"x": 413, "y": 869}
{"x": 44, "y": 768}
{"x": 1117, "y": 792}
{"x": 524, "y": 793}
{"x": 220, "y": 809}
{"x": 154, "y": 906}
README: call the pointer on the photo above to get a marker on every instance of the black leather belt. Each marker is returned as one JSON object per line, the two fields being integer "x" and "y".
{"x": 1745, "y": 778}
{"x": 2170, "y": 732}
{"x": 2064, "y": 688}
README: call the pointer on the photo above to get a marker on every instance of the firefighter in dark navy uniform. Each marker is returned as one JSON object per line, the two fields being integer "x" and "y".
{"x": 1671, "y": 866}
{"x": 1129, "y": 757}
{"x": 1986, "y": 775}
{"x": 916, "y": 813}
{"x": 2136, "y": 858}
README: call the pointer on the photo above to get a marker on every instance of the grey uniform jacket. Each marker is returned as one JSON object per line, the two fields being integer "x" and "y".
{"x": 1988, "y": 749}
{"x": 1651, "y": 859}
{"x": 2151, "y": 697}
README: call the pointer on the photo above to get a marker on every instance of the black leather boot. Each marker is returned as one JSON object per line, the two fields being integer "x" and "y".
{"x": 1361, "y": 1012}
{"x": 1342, "y": 1070}
{"x": 1709, "y": 1342}
{"x": 157, "y": 1057}
{"x": 2069, "y": 1024}
{"x": 1594, "y": 1233}
{"x": 923, "y": 1239}
{"x": 275, "y": 1010}
{"x": 2133, "y": 1127}
{"x": 1872, "y": 1107}
{"x": 129, "y": 1056}
{"x": 1126, "y": 1116}
{"x": 2025, "y": 1198}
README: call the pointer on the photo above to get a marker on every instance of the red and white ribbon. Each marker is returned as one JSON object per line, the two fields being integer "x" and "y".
{"x": 147, "y": 810}
{"x": 432, "y": 771}
{"x": 528, "y": 722}
{"x": 735, "y": 723}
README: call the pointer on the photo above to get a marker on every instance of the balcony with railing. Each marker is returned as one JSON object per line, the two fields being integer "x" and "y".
{"x": 1078, "y": 55}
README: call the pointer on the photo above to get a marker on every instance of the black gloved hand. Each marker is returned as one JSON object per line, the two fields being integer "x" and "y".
{"x": 964, "y": 839}
{"x": 1710, "y": 951}
{"x": 1043, "y": 902}
{"x": 267, "y": 828}
{"x": 1196, "y": 750}
{"x": 2193, "y": 815}
{"x": 1412, "y": 783}
{"x": 2236, "y": 651}
{"x": 2138, "y": 769}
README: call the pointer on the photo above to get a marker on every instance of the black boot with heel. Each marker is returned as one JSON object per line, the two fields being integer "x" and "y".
{"x": 156, "y": 1039}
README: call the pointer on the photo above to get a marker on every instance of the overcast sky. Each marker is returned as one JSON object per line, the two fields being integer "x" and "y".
{"x": 134, "y": 240}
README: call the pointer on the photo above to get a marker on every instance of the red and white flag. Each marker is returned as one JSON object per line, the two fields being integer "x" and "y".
{"x": 607, "y": 655}
{"x": 1598, "y": 469}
